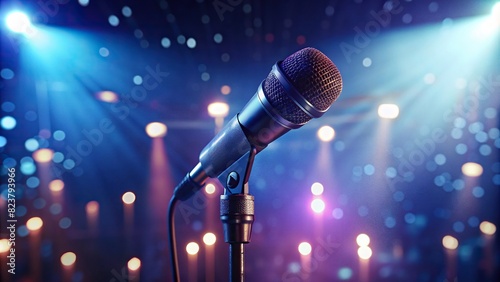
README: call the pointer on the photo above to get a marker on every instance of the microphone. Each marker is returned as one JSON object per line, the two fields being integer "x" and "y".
{"x": 301, "y": 87}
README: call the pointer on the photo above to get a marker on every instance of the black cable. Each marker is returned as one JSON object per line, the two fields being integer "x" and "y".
{"x": 171, "y": 239}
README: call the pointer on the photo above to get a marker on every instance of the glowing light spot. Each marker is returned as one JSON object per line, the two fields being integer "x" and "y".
{"x": 450, "y": 242}
{"x": 134, "y": 264}
{"x": 65, "y": 223}
{"x": 318, "y": 205}
{"x": 137, "y": 79}
{"x": 34, "y": 223}
{"x": 218, "y": 38}
{"x": 3, "y": 141}
{"x": 191, "y": 43}
{"x": 192, "y": 248}
{"x": 92, "y": 207}
{"x": 495, "y": 11}
{"x": 59, "y": 135}
{"x": 43, "y": 155}
{"x": 210, "y": 188}
{"x": 478, "y": 192}
{"x": 369, "y": 169}
{"x": 84, "y": 2}
{"x": 126, "y": 11}
{"x": 388, "y": 111}
{"x": 32, "y": 182}
{"x": 68, "y": 259}
{"x": 487, "y": 228}
{"x": 113, "y": 20}
{"x": 7, "y": 74}
{"x": 128, "y": 198}
{"x": 56, "y": 185}
{"x": 225, "y": 90}
{"x": 365, "y": 252}
{"x": 345, "y": 273}
{"x": 367, "y": 62}
{"x": 338, "y": 213}
{"x": 104, "y": 52}
{"x": 8, "y": 122}
{"x": 317, "y": 188}
{"x": 18, "y": 22}
{"x": 209, "y": 239}
{"x": 205, "y": 76}
{"x": 305, "y": 248}
{"x": 390, "y": 222}
{"x": 326, "y": 133}
{"x": 165, "y": 42}
{"x": 218, "y": 109}
{"x": 440, "y": 159}
{"x": 472, "y": 169}
{"x": 31, "y": 144}
{"x": 363, "y": 240}
{"x": 181, "y": 39}
{"x": 4, "y": 245}
{"x": 69, "y": 164}
{"x": 107, "y": 96}
{"x": 156, "y": 130}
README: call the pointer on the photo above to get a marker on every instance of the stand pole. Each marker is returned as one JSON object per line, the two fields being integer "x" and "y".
{"x": 237, "y": 215}
{"x": 236, "y": 262}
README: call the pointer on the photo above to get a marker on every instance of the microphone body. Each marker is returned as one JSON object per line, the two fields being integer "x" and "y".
{"x": 301, "y": 87}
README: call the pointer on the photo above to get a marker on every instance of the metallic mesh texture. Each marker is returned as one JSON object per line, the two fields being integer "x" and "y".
{"x": 314, "y": 76}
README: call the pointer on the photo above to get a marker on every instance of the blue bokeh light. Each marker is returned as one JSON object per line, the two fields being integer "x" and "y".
{"x": 8, "y": 122}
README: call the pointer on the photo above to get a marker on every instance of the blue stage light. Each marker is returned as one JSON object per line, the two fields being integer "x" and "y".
{"x": 18, "y": 22}
{"x": 495, "y": 11}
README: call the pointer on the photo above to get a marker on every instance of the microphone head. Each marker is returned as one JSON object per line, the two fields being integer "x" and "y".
{"x": 313, "y": 75}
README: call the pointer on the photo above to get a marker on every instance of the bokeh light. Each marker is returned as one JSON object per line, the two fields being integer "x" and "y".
{"x": 4, "y": 245}
{"x": 317, "y": 188}
{"x": 107, "y": 96}
{"x": 209, "y": 238}
{"x": 472, "y": 169}
{"x": 218, "y": 109}
{"x": 192, "y": 248}
{"x": 363, "y": 240}
{"x": 128, "y": 198}
{"x": 34, "y": 223}
{"x": 92, "y": 207}
{"x": 43, "y": 155}
{"x": 450, "y": 242}
{"x": 134, "y": 264}
{"x": 225, "y": 90}
{"x": 305, "y": 248}
{"x": 210, "y": 188}
{"x": 56, "y": 185}
{"x": 318, "y": 205}
{"x": 68, "y": 259}
{"x": 365, "y": 252}
{"x": 326, "y": 133}
{"x": 487, "y": 228}
{"x": 388, "y": 111}
{"x": 156, "y": 129}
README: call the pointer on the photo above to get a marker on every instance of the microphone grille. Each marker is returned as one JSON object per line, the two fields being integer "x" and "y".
{"x": 315, "y": 77}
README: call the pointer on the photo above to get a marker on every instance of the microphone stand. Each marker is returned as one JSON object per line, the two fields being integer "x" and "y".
{"x": 237, "y": 212}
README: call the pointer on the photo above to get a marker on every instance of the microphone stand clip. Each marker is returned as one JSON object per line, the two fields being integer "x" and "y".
{"x": 237, "y": 211}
